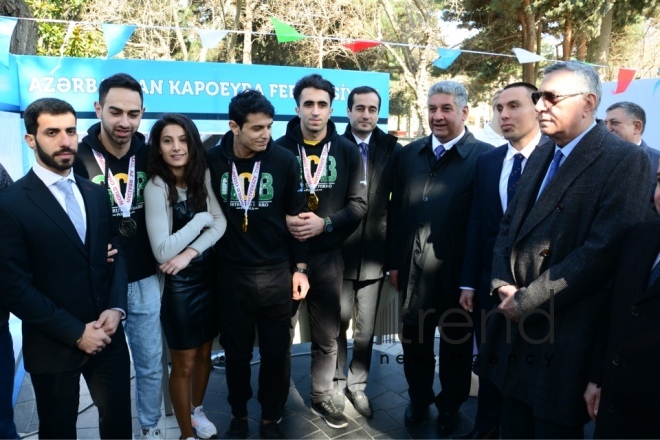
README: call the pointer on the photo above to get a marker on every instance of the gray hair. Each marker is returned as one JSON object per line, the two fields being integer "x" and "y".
{"x": 631, "y": 110}
{"x": 586, "y": 76}
{"x": 452, "y": 88}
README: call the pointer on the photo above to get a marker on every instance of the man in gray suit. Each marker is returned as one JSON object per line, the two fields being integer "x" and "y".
{"x": 628, "y": 121}
{"x": 554, "y": 254}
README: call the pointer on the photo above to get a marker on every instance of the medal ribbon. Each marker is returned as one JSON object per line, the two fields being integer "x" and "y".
{"x": 312, "y": 182}
{"x": 123, "y": 202}
{"x": 238, "y": 186}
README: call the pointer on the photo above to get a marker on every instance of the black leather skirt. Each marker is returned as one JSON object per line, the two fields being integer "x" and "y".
{"x": 188, "y": 309}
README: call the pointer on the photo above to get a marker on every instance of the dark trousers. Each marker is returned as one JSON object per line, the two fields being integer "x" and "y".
{"x": 108, "y": 378}
{"x": 252, "y": 299}
{"x": 7, "y": 427}
{"x": 323, "y": 307}
{"x": 359, "y": 301}
{"x": 518, "y": 421}
{"x": 489, "y": 402}
{"x": 419, "y": 366}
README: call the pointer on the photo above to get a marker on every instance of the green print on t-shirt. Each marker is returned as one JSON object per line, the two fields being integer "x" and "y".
{"x": 265, "y": 191}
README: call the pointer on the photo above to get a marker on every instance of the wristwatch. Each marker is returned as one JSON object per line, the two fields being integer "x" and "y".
{"x": 303, "y": 270}
{"x": 328, "y": 224}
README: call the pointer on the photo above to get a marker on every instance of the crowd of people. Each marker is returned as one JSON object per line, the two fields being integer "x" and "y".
{"x": 543, "y": 253}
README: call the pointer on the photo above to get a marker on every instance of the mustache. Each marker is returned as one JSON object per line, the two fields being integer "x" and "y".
{"x": 65, "y": 150}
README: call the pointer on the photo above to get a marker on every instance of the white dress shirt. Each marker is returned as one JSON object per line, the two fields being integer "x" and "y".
{"x": 507, "y": 166}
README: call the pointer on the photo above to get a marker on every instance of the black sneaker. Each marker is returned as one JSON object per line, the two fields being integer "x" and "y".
{"x": 330, "y": 414}
{"x": 270, "y": 430}
{"x": 238, "y": 428}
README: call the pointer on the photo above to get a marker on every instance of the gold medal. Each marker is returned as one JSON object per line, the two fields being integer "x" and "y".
{"x": 312, "y": 202}
{"x": 245, "y": 223}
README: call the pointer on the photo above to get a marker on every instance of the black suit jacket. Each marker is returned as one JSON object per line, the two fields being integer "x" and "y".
{"x": 49, "y": 278}
{"x": 484, "y": 223}
{"x": 364, "y": 251}
{"x": 627, "y": 366}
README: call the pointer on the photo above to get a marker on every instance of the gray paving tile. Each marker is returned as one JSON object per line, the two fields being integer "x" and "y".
{"x": 297, "y": 426}
{"x": 317, "y": 435}
{"x": 88, "y": 433}
{"x": 357, "y": 434}
{"x": 381, "y": 422}
{"x": 388, "y": 400}
{"x": 400, "y": 433}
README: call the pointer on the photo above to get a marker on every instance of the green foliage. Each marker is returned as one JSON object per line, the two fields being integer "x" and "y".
{"x": 84, "y": 41}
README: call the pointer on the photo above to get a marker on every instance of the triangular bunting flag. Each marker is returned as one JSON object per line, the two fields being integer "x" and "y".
{"x": 285, "y": 33}
{"x": 116, "y": 36}
{"x": 525, "y": 56}
{"x": 625, "y": 78}
{"x": 447, "y": 57}
{"x": 360, "y": 45}
{"x": 211, "y": 38}
{"x": 7, "y": 25}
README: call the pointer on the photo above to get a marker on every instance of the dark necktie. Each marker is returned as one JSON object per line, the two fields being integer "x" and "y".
{"x": 554, "y": 166}
{"x": 439, "y": 151}
{"x": 514, "y": 177}
{"x": 655, "y": 274}
{"x": 364, "y": 151}
{"x": 72, "y": 207}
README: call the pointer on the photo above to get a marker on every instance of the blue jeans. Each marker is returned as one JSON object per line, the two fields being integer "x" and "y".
{"x": 142, "y": 326}
{"x": 7, "y": 427}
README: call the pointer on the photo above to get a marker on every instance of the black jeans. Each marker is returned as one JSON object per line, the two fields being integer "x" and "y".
{"x": 108, "y": 378}
{"x": 323, "y": 307}
{"x": 255, "y": 298}
{"x": 359, "y": 300}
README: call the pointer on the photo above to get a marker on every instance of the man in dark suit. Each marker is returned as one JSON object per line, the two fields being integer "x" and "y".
{"x": 628, "y": 121}
{"x": 55, "y": 231}
{"x": 364, "y": 250}
{"x": 629, "y": 347}
{"x": 555, "y": 252}
{"x": 426, "y": 228}
{"x": 496, "y": 182}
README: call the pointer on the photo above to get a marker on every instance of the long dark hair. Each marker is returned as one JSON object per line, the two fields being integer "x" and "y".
{"x": 195, "y": 168}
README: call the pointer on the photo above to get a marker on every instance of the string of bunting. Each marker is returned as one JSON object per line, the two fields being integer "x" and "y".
{"x": 117, "y": 35}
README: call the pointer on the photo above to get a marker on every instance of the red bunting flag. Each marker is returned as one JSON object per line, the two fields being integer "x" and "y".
{"x": 625, "y": 78}
{"x": 360, "y": 45}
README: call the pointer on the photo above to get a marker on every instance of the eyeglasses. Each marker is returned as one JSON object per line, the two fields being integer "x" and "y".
{"x": 551, "y": 98}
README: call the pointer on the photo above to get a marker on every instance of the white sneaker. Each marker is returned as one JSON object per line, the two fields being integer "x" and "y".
{"x": 152, "y": 433}
{"x": 203, "y": 426}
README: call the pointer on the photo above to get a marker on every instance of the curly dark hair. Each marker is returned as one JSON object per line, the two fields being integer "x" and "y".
{"x": 195, "y": 168}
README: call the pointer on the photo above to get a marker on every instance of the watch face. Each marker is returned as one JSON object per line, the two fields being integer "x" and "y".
{"x": 328, "y": 227}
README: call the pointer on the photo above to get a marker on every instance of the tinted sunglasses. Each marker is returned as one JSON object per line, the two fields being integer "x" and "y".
{"x": 551, "y": 98}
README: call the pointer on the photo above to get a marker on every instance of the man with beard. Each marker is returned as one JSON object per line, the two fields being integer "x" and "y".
{"x": 114, "y": 155}
{"x": 364, "y": 250}
{"x": 336, "y": 199}
{"x": 54, "y": 275}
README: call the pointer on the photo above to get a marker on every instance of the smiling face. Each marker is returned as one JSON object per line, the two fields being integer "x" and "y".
{"x": 517, "y": 116}
{"x": 624, "y": 125}
{"x": 173, "y": 147}
{"x": 55, "y": 143}
{"x": 120, "y": 114}
{"x": 253, "y": 136}
{"x": 364, "y": 115}
{"x": 446, "y": 119}
{"x": 314, "y": 112}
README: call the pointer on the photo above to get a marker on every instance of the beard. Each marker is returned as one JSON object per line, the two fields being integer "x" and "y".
{"x": 51, "y": 161}
{"x": 109, "y": 131}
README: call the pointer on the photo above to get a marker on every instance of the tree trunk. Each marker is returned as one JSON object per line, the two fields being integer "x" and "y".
{"x": 247, "y": 32}
{"x": 602, "y": 54}
{"x": 24, "y": 40}
{"x": 567, "y": 43}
